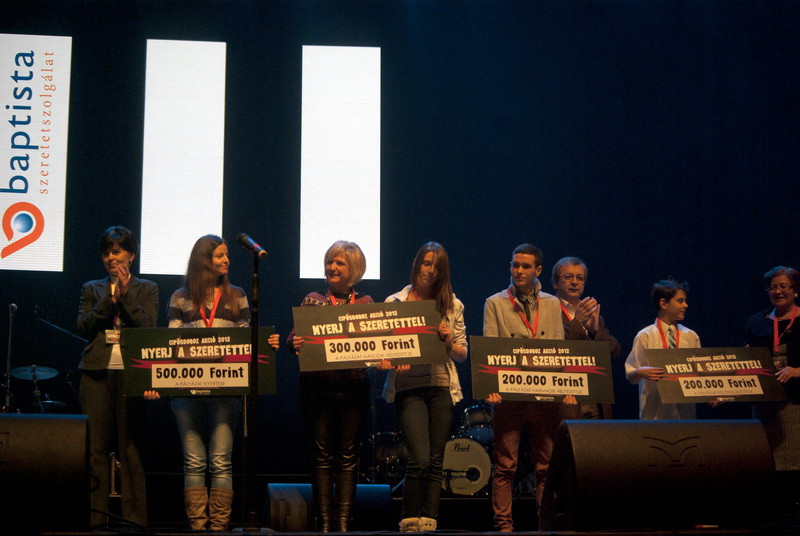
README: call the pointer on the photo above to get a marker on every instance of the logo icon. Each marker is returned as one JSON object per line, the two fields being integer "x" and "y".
{"x": 24, "y": 220}
{"x": 681, "y": 453}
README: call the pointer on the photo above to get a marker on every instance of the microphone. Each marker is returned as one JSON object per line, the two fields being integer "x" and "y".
{"x": 250, "y": 245}
{"x": 12, "y": 308}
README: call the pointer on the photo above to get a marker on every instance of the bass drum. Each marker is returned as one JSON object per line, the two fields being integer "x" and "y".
{"x": 476, "y": 424}
{"x": 467, "y": 466}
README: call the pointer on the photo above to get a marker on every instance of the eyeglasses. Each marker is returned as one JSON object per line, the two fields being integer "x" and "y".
{"x": 569, "y": 277}
{"x": 783, "y": 287}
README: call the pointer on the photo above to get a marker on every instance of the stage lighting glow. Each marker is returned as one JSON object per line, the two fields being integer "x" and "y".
{"x": 340, "y": 191}
{"x": 184, "y": 138}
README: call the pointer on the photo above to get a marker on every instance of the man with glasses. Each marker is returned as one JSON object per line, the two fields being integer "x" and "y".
{"x": 581, "y": 317}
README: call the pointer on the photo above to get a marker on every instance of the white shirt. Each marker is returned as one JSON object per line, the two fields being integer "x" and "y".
{"x": 650, "y": 405}
{"x": 115, "y": 361}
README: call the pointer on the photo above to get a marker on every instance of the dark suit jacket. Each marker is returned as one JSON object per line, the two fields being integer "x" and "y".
{"x": 573, "y": 330}
{"x": 138, "y": 308}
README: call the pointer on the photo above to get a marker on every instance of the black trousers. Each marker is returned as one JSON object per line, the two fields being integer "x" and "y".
{"x": 115, "y": 423}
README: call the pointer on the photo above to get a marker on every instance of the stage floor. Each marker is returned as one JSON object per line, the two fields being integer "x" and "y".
{"x": 377, "y": 513}
{"x": 766, "y": 531}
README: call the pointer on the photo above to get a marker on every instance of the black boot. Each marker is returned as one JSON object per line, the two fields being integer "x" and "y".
{"x": 345, "y": 499}
{"x": 322, "y": 490}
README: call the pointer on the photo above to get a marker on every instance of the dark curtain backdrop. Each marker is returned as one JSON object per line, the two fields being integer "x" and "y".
{"x": 648, "y": 138}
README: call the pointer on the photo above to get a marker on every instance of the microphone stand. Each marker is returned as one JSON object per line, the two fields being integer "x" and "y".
{"x": 7, "y": 406}
{"x": 249, "y": 502}
{"x": 61, "y": 330}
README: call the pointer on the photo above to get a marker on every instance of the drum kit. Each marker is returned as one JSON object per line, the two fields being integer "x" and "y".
{"x": 41, "y": 403}
{"x": 467, "y": 466}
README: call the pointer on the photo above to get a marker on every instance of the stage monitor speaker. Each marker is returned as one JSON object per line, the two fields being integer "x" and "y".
{"x": 659, "y": 474}
{"x": 44, "y": 472}
{"x": 290, "y": 508}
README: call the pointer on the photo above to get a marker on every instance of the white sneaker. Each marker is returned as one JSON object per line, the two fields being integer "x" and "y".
{"x": 409, "y": 524}
{"x": 427, "y": 524}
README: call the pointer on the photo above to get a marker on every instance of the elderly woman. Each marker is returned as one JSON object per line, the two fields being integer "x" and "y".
{"x": 119, "y": 300}
{"x": 333, "y": 403}
{"x": 424, "y": 394}
{"x": 775, "y": 329}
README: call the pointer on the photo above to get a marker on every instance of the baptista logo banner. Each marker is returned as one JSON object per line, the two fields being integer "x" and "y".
{"x": 34, "y": 92}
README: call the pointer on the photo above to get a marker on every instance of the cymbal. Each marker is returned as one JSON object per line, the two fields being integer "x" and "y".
{"x": 49, "y": 406}
{"x": 34, "y": 373}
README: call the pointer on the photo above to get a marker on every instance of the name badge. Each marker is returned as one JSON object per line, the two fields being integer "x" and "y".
{"x": 112, "y": 336}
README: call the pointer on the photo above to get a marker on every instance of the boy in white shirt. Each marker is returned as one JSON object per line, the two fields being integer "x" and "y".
{"x": 669, "y": 299}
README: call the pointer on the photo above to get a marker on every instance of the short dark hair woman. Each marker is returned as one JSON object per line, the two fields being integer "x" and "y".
{"x": 119, "y": 300}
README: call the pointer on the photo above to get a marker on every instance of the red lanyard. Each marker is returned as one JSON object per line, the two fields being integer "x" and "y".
{"x": 776, "y": 338}
{"x": 664, "y": 338}
{"x": 566, "y": 312}
{"x": 533, "y": 329}
{"x": 332, "y": 298}
{"x": 210, "y": 320}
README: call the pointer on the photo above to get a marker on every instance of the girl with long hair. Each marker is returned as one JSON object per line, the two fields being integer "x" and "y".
{"x": 206, "y": 424}
{"x": 424, "y": 394}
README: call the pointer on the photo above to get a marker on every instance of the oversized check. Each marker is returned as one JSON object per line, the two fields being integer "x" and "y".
{"x": 706, "y": 374}
{"x": 363, "y": 334}
{"x": 541, "y": 370}
{"x": 195, "y": 361}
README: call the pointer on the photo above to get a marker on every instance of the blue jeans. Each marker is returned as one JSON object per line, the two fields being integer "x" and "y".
{"x": 425, "y": 414}
{"x": 206, "y": 426}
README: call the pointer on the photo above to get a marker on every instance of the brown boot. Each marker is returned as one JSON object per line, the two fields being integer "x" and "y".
{"x": 195, "y": 500}
{"x": 219, "y": 508}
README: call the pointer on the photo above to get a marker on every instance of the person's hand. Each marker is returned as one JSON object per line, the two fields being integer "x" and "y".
{"x": 445, "y": 335}
{"x": 151, "y": 395}
{"x": 385, "y": 364}
{"x": 444, "y": 332}
{"x": 570, "y": 400}
{"x": 787, "y": 373}
{"x": 494, "y": 398}
{"x": 274, "y": 341}
{"x": 717, "y": 402}
{"x": 402, "y": 368}
{"x": 297, "y": 342}
{"x": 588, "y": 314}
{"x": 123, "y": 273}
{"x": 650, "y": 373}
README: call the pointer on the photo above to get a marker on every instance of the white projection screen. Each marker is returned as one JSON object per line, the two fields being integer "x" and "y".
{"x": 184, "y": 139}
{"x": 340, "y": 154}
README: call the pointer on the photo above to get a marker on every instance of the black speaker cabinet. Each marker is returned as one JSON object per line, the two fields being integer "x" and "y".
{"x": 44, "y": 472}
{"x": 659, "y": 474}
